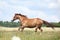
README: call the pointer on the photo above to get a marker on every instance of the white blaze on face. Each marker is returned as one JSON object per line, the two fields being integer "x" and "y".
{"x": 16, "y": 38}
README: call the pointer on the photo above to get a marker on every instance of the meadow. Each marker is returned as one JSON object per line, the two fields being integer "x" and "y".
{"x": 31, "y": 35}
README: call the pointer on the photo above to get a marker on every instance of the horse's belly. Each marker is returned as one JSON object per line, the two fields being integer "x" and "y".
{"x": 30, "y": 26}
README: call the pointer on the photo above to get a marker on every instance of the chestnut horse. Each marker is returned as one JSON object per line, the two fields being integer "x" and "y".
{"x": 30, "y": 23}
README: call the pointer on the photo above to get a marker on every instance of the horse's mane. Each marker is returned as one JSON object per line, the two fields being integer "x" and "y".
{"x": 21, "y": 15}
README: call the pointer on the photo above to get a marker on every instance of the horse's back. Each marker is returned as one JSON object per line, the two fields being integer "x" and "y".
{"x": 39, "y": 20}
{"x": 34, "y": 21}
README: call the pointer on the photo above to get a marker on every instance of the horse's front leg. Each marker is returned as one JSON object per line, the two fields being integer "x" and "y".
{"x": 22, "y": 28}
{"x": 19, "y": 28}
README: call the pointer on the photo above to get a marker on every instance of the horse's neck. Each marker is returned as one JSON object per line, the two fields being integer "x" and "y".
{"x": 22, "y": 18}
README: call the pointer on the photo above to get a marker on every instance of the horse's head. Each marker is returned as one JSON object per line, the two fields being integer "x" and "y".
{"x": 16, "y": 16}
{"x": 19, "y": 16}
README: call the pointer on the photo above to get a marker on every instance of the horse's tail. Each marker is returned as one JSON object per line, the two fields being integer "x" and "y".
{"x": 48, "y": 24}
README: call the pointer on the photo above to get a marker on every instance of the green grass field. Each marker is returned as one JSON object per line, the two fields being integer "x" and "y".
{"x": 31, "y": 35}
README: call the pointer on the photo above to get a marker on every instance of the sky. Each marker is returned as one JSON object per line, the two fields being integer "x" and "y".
{"x": 48, "y": 10}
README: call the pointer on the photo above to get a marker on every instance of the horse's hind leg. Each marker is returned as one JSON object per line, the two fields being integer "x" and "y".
{"x": 40, "y": 28}
{"x": 36, "y": 28}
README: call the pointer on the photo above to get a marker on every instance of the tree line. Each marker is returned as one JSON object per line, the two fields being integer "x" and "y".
{"x": 16, "y": 24}
{"x": 9, "y": 24}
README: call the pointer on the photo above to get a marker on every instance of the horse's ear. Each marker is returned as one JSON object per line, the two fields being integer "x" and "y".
{"x": 16, "y": 13}
{"x": 20, "y": 14}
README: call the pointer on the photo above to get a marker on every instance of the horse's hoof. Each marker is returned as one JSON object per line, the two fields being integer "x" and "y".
{"x": 41, "y": 30}
{"x": 18, "y": 30}
{"x": 35, "y": 31}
